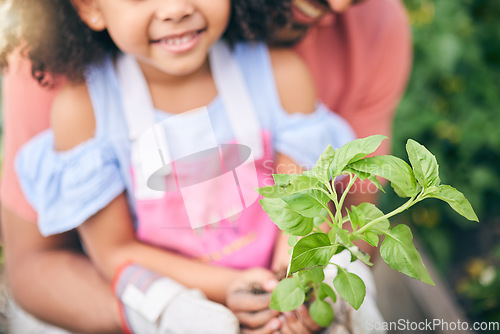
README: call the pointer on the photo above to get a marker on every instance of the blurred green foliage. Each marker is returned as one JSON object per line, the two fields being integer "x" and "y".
{"x": 480, "y": 287}
{"x": 452, "y": 106}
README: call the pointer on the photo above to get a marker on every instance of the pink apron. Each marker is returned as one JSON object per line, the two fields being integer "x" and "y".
{"x": 193, "y": 195}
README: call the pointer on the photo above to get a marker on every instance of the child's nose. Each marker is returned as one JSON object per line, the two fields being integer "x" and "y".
{"x": 175, "y": 10}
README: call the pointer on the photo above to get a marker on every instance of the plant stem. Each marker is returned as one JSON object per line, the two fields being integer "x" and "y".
{"x": 402, "y": 208}
{"x": 352, "y": 179}
{"x": 324, "y": 191}
{"x": 334, "y": 197}
{"x": 330, "y": 214}
{"x": 326, "y": 207}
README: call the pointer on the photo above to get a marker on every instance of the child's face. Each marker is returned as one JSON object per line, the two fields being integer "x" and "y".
{"x": 173, "y": 36}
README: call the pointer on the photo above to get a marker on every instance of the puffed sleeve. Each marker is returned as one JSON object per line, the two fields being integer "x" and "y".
{"x": 66, "y": 188}
{"x": 303, "y": 137}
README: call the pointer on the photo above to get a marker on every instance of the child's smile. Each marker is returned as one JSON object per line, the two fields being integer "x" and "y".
{"x": 171, "y": 37}
{"x": 180, "y": 43}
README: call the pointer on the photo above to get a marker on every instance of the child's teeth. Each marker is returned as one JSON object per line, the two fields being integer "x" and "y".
{"x": 180, "y": 40}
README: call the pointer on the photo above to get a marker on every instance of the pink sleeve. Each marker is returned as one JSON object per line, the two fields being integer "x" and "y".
{"x": 384, "y": 67}
{"x": 26, "y": 112}
{"x": 360, "y": 61}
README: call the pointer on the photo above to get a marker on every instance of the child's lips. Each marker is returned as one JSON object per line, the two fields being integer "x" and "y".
{"x": 180, "y": 43}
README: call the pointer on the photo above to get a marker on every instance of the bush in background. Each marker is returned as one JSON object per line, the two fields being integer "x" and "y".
{"x": 452, "y": 106}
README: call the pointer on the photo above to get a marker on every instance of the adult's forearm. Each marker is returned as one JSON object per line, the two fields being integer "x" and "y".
{"x": 55, "y": 283}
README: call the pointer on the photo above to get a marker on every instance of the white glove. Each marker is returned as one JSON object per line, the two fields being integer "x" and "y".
{"x": 153, "y": 304}
{"x": 368, "y": 313}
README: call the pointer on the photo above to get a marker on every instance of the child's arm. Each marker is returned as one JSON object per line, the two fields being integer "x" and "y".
{"x": 110, "y": 241}
{"x": 108, "y": 236}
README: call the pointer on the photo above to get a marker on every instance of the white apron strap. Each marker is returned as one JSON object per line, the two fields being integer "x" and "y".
{"x": 150, "y": 153}
{"x": 139, "y": 109}
{"x": 237, "y": 102}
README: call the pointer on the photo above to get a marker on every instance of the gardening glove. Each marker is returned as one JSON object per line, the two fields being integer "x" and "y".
{"x": 345, "y": 316}
{"x": 154, "y": 304}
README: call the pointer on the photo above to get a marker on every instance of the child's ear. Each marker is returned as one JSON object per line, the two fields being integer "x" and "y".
{"x": 89, "y": 12}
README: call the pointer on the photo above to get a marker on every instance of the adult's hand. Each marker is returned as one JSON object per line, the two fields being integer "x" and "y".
{"x": 298, "y": 322}
{"x": 249, "y": 297}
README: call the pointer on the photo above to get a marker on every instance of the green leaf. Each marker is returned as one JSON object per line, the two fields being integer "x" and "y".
{"x": 358, "y": 253}
{"x": 288, "y": 295}
{"x": 315, "y": 275}
{"x": 324, "y": 290}
{"x": 350, "y": 287}
{"x": 424, "y": 164}
{"x": 400, "y": 254}
{"x": 369, "y": 236}
{"x": 454, "y": 198}
{"x": 373, "y": 179}
{"x": 321, "y": 169}
{"x": 304, "y": 276}
{"x": 372, "y": 238}
{"x": 272, "y": 191}
{"x": 302, "y": 182}
{"x": 292, "y": 240}
{"x": 338, "y": 235}
{"x": 321, "y": 218}
{"x": 309, "y": 203}
{"x": 321, "y": 312}
{"x": 318, "y": 274}
{"x": 356, "y": 217}
{"x": 363, "y": 176}
{"x": 354, "y": 151}
{"x": 371, "y": 212}
{"x": 286, "y": 218}
{"x": 332, "y": 235}
{"x": 282, "y": 179}
{"x": 312, "y": 250}
{"x": 398, "y": 172}
{"x": 289, "y": 184}
{"x": 341, "y": 237}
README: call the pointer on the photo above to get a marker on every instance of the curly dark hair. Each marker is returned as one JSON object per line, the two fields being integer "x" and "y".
{"x": 58, "y": 42}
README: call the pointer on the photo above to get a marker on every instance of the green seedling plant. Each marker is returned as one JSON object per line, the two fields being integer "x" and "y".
{"x": 299, "y": 203}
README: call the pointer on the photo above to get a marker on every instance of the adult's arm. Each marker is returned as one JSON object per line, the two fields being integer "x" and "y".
{"x": 49, "y": 277}
{"x": 360, "y": 60}
{"x": 54, "y": 281}
{"x": 380, "y": 54}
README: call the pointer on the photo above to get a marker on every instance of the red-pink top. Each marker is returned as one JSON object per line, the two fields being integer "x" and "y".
{"x": 360, "y": 61}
